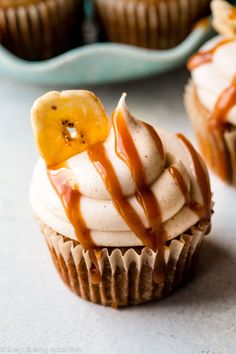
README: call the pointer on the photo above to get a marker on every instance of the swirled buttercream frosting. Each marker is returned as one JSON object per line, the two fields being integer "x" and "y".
{"x": 213, "y": 71}
{"x": 139, "y": 187}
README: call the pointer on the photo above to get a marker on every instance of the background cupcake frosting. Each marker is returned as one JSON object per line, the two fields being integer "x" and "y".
{"x": 211, "y": 79}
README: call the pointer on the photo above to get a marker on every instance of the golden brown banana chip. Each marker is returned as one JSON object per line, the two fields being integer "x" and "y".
{"x": 67, "y": 123}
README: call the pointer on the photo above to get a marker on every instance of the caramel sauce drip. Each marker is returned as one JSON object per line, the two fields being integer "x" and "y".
{"x": 205, "y": 56}
{"x": 153, "y": 236}
{"x": 232, "y": 14}
{"x": 126, "y": 150}
{"x": 217, "y": 127}
{"x": 155, "y": 137}
{"x": 180, "y": 182}
{"x": 225, "y": 102}
{"x": 203, "y": 211}
{"x": 70, "y": 197}
{"x": 98, "y": 157}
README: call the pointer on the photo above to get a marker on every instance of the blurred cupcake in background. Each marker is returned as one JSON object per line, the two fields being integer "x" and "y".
{"x": 40, "y": 29}
{"x": 154, "y": 24}
{"x": 210, "y": 96}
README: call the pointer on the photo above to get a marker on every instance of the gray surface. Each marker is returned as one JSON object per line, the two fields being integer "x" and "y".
{"x": 38, "y": 313}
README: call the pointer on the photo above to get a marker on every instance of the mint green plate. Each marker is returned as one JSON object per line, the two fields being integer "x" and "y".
{"x": 101, "y": 62}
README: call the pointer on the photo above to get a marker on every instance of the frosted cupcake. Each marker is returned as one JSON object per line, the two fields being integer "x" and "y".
{"x": 40, "y": 29}
{"x": 210, "y": 96}
{"x": 149, "y": 23}
{"x": 123, "y": 206}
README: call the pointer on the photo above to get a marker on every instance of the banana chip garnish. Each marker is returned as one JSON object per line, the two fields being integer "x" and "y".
{"x": 67, "y": 123}
{"x": 224, "y": 18}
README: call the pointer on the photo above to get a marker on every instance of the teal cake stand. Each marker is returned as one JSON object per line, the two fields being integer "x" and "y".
{"x": 102, "y": 62}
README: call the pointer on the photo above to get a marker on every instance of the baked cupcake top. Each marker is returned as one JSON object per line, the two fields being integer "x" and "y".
{"x": 113, "y": 183}
{"x": 213, "y": 68}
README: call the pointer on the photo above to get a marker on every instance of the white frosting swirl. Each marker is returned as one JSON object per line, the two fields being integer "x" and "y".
{"x": 212, "y": 78}
{"x": 100, "y": 215}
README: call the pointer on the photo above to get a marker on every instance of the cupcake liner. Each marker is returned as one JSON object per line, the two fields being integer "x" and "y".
{"x": 199, "y": 117}
{"x": 42, "y": 29}
{"x": 127, "y": 274}
{"x": 150, "y": 24}
{"x": 230, "y": 140}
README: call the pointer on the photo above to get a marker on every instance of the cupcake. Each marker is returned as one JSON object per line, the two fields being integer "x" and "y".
{"x": 123, "y": 206}
{"x": 153, "y": 24}
{"x": 40, "y": 29}
{"x": 210, "y": 96}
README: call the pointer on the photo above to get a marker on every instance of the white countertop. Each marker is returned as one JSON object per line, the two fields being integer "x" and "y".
{"x": 38, "y": 314}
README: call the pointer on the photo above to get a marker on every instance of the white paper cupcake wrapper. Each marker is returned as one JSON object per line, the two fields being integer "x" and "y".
{"x": 127, "y": 274}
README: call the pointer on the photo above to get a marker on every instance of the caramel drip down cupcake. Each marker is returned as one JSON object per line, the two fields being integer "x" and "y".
{"x": 123, "y": 206}
{"x": 210, "y": 96}
{"x": 40, "y": 29}
{"x": 154, "y": 24}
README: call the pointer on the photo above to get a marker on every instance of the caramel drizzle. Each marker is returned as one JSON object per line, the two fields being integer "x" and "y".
{"x": 180, "y": 181}
{"x": 217, "y": 127}
{"x": 154, "y": 236}
{"x": 191, "y": 204}
{"x": 98, "y": 157}
{"x": 70, "y": 197}
{"x": 205, "y": 56}
{"x": 126, "y": 151}
{"x": 225, "y": 102}
{"x": 232, "y": 14}
{"x": 204, "y": 211}
{"x": 155, "y": 137}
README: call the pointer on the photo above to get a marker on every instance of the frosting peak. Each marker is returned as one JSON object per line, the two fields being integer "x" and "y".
{"x": 137, "y": 145}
